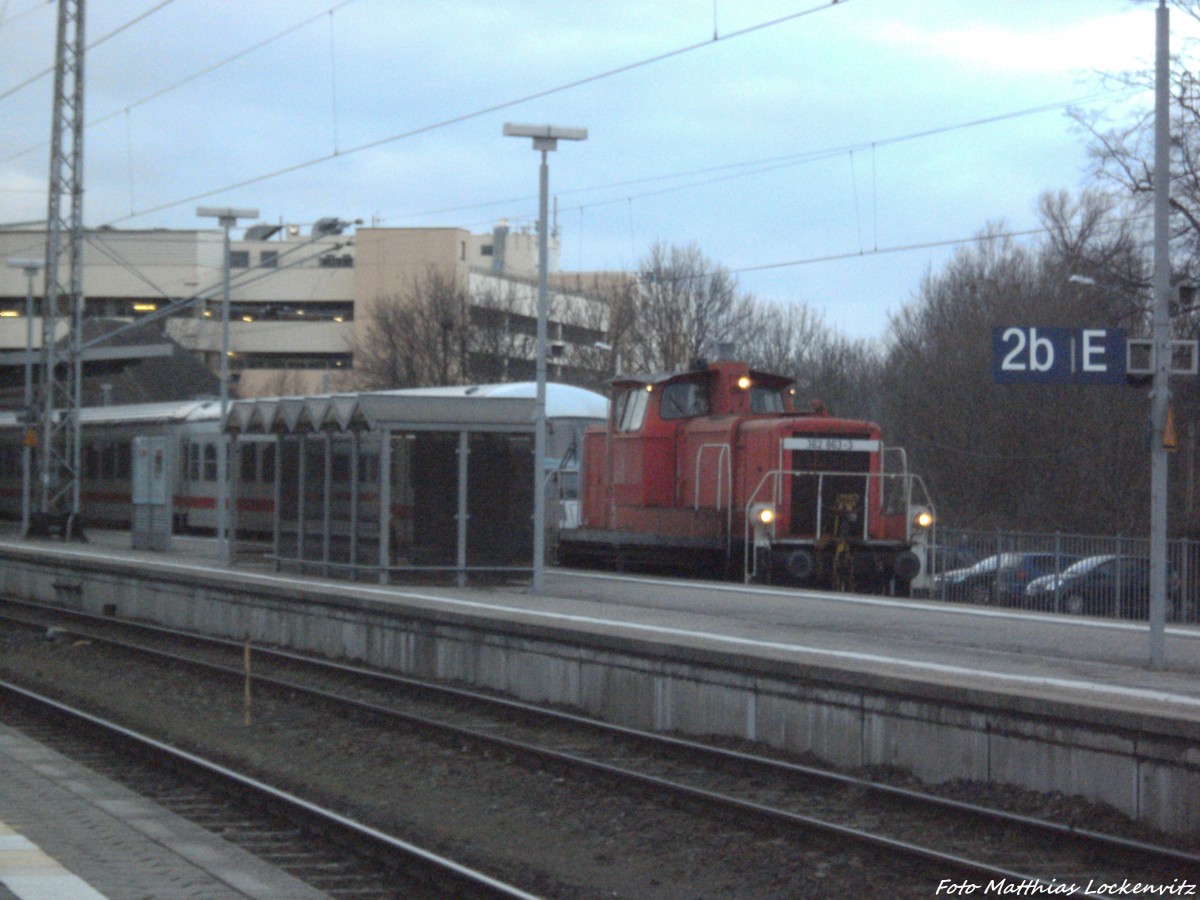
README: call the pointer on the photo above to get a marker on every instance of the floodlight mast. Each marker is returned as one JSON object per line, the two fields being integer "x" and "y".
{"x": 226, "y": 217}
{"x": 1160, "y": 330}
{"x": 545, "y": 138}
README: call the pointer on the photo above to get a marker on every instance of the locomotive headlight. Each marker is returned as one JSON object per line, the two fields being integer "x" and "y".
{"x": 923, "y": 518}
{"x": 744, "y": 382}
{"x": 763, "y": 514}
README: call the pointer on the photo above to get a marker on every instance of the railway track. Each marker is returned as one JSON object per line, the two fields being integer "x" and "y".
{"x": 949, "y": 841}
{"x": 319, "y": 846}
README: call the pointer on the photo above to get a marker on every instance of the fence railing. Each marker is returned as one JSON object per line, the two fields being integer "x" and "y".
{"x": 1066, "y": 573}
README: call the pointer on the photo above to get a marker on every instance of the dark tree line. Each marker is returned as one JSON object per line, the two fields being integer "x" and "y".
{"x": 1022, "y": 456}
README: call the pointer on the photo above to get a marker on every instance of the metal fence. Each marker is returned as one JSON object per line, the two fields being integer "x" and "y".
{"x": 1065, "y": 573}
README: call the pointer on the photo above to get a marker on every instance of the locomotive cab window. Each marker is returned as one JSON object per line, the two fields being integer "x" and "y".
{"x": 631, "y": 409}
{"x": 766, "y": 400}
{"x": 684, "y": 400}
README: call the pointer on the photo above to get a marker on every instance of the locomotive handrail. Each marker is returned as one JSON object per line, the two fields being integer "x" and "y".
{"x": 723, "y": 453}
{"x": 750, "y": 561}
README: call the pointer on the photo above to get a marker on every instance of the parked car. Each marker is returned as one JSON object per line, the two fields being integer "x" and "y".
{"x": 1001, "y": 578}
{"x": 1105, "y": 585}
{"x": 940, "y": 558}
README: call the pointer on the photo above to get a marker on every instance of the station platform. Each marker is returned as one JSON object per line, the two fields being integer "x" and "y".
{"x": 67, "y": 833}
{"x": 946, "y": 691}
{"x": 1085, "y": 661}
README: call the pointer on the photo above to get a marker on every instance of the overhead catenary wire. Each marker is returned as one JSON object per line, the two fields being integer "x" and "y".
{"x": 758, "y": 166}
{"x": 497, "y": 107}
{"x": 194, "y": 76}
{"x": 93, "y": 45}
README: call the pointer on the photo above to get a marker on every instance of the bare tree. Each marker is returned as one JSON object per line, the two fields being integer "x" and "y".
{"x": 416, "y": 338}
{"x": 791, "y": 339}
{"x": 1015, "y": 456}
{"x": 1122, "y": 154}
{"x": 686, "y": 305}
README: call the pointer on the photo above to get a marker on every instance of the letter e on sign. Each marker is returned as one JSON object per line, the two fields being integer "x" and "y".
{"x": 1100, "y": 356}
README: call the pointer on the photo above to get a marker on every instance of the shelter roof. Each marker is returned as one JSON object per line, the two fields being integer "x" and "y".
{"x": 492, "y": 407}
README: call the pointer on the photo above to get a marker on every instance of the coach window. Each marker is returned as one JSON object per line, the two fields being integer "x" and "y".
{"x": 124, "y": 453}
{"x": 210, "y": 462}
{"x": 193, "y": 462}
{"x": 683, "y": 400}
{"x": 267, "y": 455}
{"x": 108, "y": 461}
{"x": 248, "y": 461}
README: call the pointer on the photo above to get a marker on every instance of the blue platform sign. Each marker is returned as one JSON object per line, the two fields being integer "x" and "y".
{"x": 1031, "y": 355}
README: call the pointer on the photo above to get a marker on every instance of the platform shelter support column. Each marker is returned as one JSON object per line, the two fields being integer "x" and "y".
{"x": 385, "y": 504}
{"x": 327, "y": 509}
{"x": 355, "y": 445}
{"x": 464, "y": 445}
{"x": 301, "y": 490}
{"x": 277, "y": 540}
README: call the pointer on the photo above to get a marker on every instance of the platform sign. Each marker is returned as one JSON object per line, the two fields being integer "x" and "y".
{"x": 1031, "y": 355}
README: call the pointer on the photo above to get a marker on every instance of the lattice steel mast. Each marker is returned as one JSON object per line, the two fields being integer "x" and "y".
{"x": 62, "y": 381}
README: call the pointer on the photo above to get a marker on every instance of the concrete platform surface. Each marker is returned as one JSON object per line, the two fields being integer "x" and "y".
{"x": 1089, "y": 662}
{"x": 67, "y": 833}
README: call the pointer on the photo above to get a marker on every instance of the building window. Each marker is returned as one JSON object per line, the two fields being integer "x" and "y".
{"x": 239, "y": 259}
{"x": 269, "y": 259}
{"x": 487, "y": 250}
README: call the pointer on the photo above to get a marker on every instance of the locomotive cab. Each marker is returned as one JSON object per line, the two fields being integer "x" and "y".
{"x": 715, "y": 467}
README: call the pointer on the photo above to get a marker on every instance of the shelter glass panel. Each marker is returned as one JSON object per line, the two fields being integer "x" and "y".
{"x": 366, "y": 550}
{"x": 315, "y": 492}
{"x": 289, "y": 498}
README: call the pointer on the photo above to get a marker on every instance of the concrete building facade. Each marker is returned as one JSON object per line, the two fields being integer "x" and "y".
{"x": 302, "y": 298}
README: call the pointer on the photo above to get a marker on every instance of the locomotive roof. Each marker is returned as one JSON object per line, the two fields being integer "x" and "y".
{"x": 656, "y": 378}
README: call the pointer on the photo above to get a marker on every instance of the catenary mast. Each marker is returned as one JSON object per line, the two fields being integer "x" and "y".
{"x": 62, "y": 380}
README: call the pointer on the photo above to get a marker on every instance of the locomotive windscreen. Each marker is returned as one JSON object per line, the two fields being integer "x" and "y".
{"x": 829, "y": 482}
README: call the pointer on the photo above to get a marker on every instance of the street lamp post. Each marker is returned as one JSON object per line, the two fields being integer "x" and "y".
{"x": 31, "y": 267}
{"x": 545, "y": 139}
{"x": 226, "y": 217}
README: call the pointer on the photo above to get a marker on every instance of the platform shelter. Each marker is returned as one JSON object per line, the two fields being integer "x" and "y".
{"x": 410, "y": 482}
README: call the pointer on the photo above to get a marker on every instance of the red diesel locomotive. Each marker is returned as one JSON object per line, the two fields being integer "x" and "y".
{"x": 714, "y": 467}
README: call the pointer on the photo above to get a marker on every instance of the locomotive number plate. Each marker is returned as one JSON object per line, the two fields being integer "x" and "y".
{"x": 831, "y": 444}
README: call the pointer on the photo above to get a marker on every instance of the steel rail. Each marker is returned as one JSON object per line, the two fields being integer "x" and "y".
{"x": 696, "y": 795}
{"x": 464, "y": 880}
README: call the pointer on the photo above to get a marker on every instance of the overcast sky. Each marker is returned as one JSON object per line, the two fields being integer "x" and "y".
{"x": 795, "y": 146}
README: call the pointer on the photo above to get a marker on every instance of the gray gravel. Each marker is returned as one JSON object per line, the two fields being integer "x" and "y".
{"x": 557, "y": 835}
